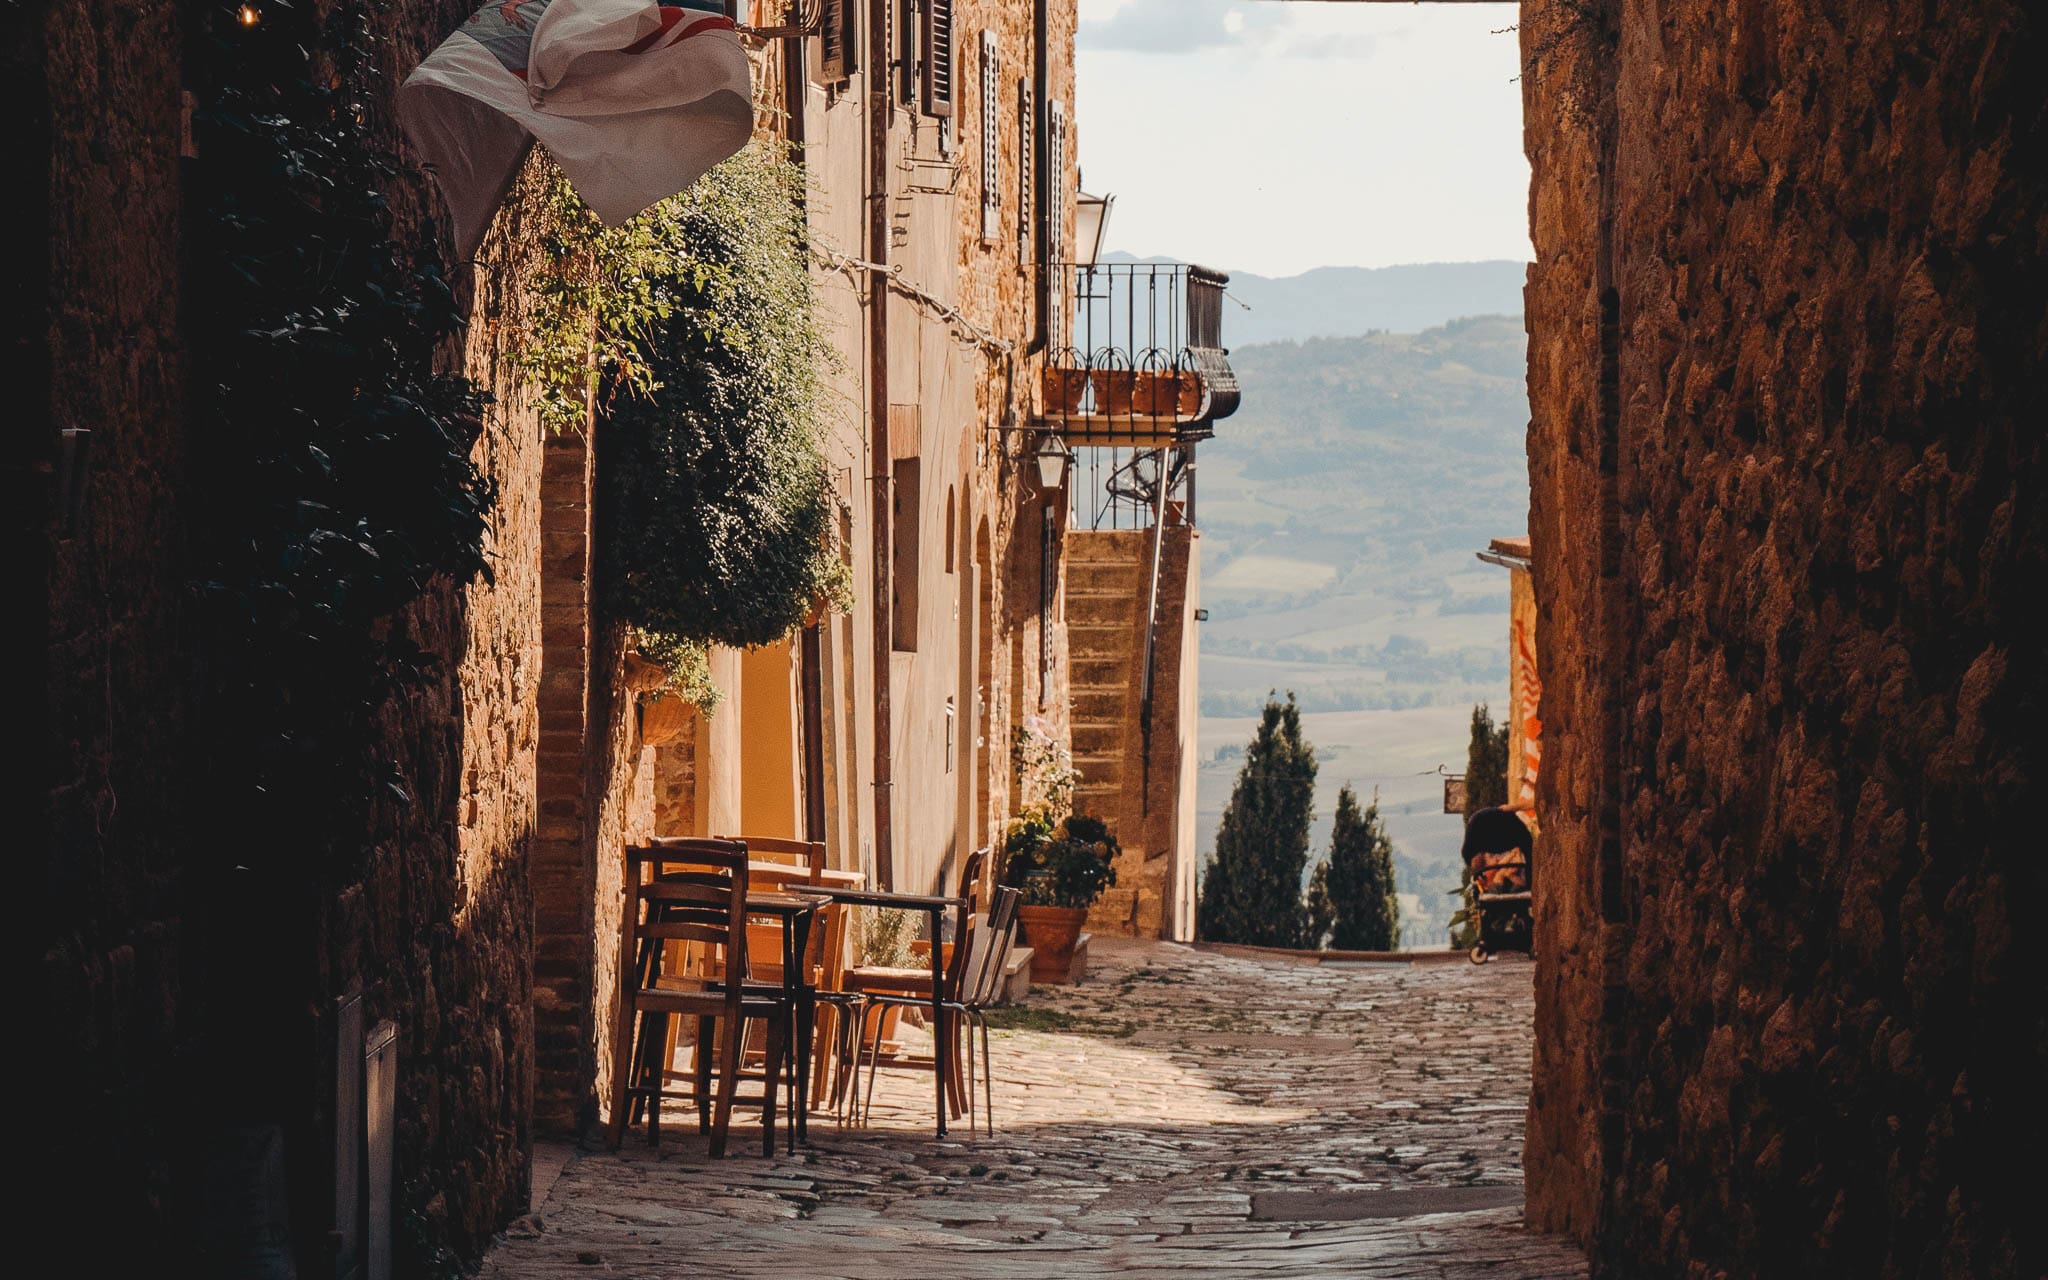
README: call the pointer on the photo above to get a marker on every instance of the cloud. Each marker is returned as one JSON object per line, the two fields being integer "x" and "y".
{"x": 1182, "y": 26}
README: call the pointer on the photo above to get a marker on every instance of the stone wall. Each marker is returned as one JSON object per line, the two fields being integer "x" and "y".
{"x": 96, "y": 614}
{"x": 1786, "y": 377}
{"x": 139, "y": 960}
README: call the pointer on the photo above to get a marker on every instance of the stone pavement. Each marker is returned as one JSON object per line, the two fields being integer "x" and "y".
{"x": 1181, "y": 1113}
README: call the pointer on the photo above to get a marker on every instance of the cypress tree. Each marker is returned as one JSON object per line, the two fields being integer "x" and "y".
{"x": 1486, "y": 763}
{"x": 1322, "y": 912}
{"x": 1251, "y": 892}
{"x": 1361, "y": 879}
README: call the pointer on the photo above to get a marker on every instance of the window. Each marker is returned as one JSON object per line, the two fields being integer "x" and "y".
{"x": 903, "y": 15}
{"x": 991, "y": 154}
{"x": 837, "y": 40}
{"x": 938, "y": 57}
{"x": 1025, "y": 174}
{"x": 905, "y": 510}
{"x": 949, "y": 529}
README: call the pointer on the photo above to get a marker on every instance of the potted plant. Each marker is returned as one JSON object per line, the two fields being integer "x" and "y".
{"x": 1061, "y": 866}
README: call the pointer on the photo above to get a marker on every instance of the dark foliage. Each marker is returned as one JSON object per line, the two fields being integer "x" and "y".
{"x": 1361, "y": 879}
{"x": 337, "y": 453}
{"x": 1252, "y": 891}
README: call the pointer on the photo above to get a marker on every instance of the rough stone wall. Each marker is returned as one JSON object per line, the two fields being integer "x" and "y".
{"x": 440, "y": 933}
{"x": 436, "y": 933}
{"x": 1785, "y": 559}
{"x": 97, "y": 624}
{"x": 1565, "y": 48}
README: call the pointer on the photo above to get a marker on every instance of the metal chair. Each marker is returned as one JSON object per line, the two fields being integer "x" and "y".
{"x": 973, "y": 982}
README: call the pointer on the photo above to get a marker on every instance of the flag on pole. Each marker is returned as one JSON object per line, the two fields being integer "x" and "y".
{"x": 633, "y": 99}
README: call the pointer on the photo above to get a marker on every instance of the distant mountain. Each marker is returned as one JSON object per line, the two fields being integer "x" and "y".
{"x": 1340, "y": 509}
{"x": 1337, "y": 302}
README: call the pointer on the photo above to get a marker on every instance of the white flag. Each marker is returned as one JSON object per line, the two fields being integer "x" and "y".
{"x": 633, "y": 99}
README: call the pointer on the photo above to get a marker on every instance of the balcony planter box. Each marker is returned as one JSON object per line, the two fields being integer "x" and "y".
{"x": 1148, "y": 393}
{"x": 1064, "y": 389}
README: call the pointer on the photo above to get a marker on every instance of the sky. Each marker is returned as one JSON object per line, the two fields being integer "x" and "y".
{"x": 1274, "y": 137}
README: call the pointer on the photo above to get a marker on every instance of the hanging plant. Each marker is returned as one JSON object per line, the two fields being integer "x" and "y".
{"x": 717, "y": 512}
{"x": 693, "y": 328}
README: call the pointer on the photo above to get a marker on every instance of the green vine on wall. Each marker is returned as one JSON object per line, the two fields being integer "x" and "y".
{"x": 335, "y": 447}
{"x": 693, "y": 330}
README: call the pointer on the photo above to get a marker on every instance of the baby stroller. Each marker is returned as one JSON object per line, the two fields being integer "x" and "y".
{"x": 1497, "y": 853}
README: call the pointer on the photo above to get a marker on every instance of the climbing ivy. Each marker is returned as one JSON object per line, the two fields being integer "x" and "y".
{"x": 333, "y": 445}
{"x": 694, "y": 329}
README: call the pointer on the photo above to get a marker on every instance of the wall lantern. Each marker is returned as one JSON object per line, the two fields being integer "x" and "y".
{"x": 1091, "y": 221}
{"x": 1052, "y": 462}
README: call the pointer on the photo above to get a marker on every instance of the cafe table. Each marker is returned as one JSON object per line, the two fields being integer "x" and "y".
{"x": 796, "y": 911}
{"x": 935, "y": 907}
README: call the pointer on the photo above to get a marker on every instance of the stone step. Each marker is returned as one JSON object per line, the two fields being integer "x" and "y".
{"x": 1098, "y": 671}
{"x": 1115, "y": 609}
{"x": 1097, "y": 740}
{"x": 1097, "y": 705}
{"x": 1016, "y": 982}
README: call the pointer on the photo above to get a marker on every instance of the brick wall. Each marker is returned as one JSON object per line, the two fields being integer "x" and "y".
{"x": 1784, "y": 513}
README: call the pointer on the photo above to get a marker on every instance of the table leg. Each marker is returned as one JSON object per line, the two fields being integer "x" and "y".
{"x": 939, "y": 1037}
{"x": 805, "y": 1012}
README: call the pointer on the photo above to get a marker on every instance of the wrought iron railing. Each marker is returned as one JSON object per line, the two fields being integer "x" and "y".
{"x": 1137, "y": 375}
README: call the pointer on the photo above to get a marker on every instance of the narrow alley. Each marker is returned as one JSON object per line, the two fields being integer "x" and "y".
{"x": 1182, "y": 1112}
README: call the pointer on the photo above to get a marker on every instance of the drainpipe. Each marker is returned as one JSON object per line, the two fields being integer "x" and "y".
{"x": 1046, "y": 188}
{"x": 795, "y": 87}
{"x": 881, "y": 517}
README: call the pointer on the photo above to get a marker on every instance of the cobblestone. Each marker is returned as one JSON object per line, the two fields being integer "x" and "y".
{"x": 1145, "y": 1121}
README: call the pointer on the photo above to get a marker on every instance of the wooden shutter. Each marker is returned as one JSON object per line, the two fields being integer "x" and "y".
{"x": 906, "y": 560}
{"x": 1056, "y": 185}
{"x": 837, "y": 40}
{"x": 938, "y": 57}
{"x": 903, "y": 46}
{"x": 1027, "y": 175}
{"x": 991, "y": 151}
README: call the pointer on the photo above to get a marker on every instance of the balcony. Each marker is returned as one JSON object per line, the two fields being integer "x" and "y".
{"x": 1140, "y": 361}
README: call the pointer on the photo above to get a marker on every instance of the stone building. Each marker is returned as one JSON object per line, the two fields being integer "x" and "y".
{"x": 1786, "y": 378}
{"x": 253, "y": 1050}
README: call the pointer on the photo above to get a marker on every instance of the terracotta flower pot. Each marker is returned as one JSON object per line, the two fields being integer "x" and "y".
{"x": 663, "y": 719}
{"x": 1166, "y": 394}
{"x": 1114, "y": 390}
{"x": 1064, "y": 388}
{"x": 1051, "y": 933}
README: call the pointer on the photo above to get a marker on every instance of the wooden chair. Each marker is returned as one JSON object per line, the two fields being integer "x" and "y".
{"x": 881, "y": 986}
{"x": 977, "y": 984}
{"x": 689, "y": 890}
{"x": 826, "y": 957}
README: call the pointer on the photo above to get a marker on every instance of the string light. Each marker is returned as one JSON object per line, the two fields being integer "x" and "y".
{"x": 247, "y": 14}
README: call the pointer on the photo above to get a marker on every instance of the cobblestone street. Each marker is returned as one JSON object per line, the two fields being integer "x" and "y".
{"x": 1180, "y": 1113}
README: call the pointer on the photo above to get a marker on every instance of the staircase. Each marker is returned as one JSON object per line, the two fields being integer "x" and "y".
{"x": 1105, "y": 595}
